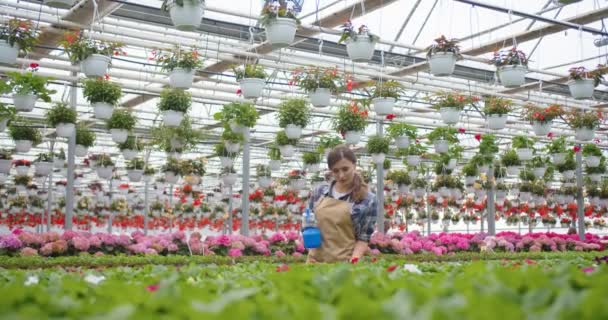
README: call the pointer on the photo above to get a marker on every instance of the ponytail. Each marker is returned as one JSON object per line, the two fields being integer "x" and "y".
{"x": 360, "y": 188}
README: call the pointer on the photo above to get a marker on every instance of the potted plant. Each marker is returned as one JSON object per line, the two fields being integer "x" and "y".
{"x": 103, "y": 95}
{"x": 6, "y": 160}
{"x": 511, "y": 67}
{"x": 470, "y": 172}
{"x": 176, "y": 139}
{"x": 487, "y": 149}
{"x": 450, "y": 105}
{"x": 274, "y": 153}
{"x": 280, "y": 21}
{"x": 319, "y": 83}
{"x": 402, "y": 133}
{"x": 26, "y": 89}
{"x": 24, "y": 135}
{"x": 120, "y": 124}
{"x": 414, "y": 154}
{"x": 63, "y": 118}
{"x": 44, "y": 164}
{"x": 15, "y": 36}
{"x": 419, "y": 186}
{"x": 592, "y": 155}
{"x": 441, "y": 137}
{"x": 130, "y": 147}
{"x": 172, "y": 170}
{"x": 232, "y": 141}
{"x": 595, "y": 173}
{"x": 524, "y": 147}
{"x": 293, "y": 115}
{"x": 226, "y": 159}
{"x": 135, "y": 169}
{"x": 584, "y": 124}
{"x": 539, "y": 166}
{"x": 6, "y": 114}
{"x": 360, "y": 44}
{"x": 85, "y": 138}
{"x": 105, "y": 166}
{"x": 93, "y": 56}
{"x": 174, "y": 104}
{"x": 59, "y": 159}
{"x": 350, "y": 122}
{"x": 557, "y": 149}
{"x": 582, "y": 81}
{"x": 149, "y": 172}
{"x": 286, "y": 145}
{"x": 496, "y": 110}
{"x": 251, "y": 79}
{"x": 311, "y": 161}
{"x": 384, "y": 96}
{"x": 180, "y": 64}
{"x": 264, "y": 175}
{"x": 511, "y": 161}
{"x": 378, "y": 146}
{"x": 238, "y": 116}
{"x": 229, "y": 176}
{"x": 567, "y": 167}
{"x": 326, "y": 143}
{"x": 442, "y": 56}
{"x": 186, "y": 15}
{"x": 541, "y": 118}
{"x": 61, "y": 4}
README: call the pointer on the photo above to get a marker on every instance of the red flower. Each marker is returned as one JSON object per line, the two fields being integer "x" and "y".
{"x": 239, "y": 92}
{"x": 478, "y": 137}
{"x": 354, "y": 260}
{"x": 374, "y": 259}
{"x": 550, "y": 135}
{"x": 106, "y": 76}
{"x": 390, "y": 116}
{"x": 391, "y": 268}
{"x": 34, "y": 65}
{"x": 530, "y": 262}
{"x": 349, "y": 85}
{"x": 576, "y": 148}
{"x": 461, "y": 130}
{"x": 152, "y": 288}
{"x": 283, "y": 268}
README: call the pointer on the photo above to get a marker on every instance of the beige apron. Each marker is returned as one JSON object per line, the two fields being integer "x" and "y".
{"x": 337, "y": 233}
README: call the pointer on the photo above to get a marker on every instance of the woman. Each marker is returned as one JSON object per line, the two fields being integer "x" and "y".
{"x": 345, "y": 211}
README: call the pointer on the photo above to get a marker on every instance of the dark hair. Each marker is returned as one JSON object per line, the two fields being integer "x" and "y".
{"x": 340, "y": 152}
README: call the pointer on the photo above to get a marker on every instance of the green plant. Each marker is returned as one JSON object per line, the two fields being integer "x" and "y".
{"x": 104, "y": 160}
{"x": 526, "y": 175}
{"x": 178, "y": 59}
{"x": 313, "y": 78}
{"x": 569, "y": 163}
{"x": 443, "y": 133}
{"x": 78, "y": 47}
{"x": 386, "y": 165}
{"x": 443, "y": 45}
{"x": 348, "y": 32}
{"x": 512, "y": 57}
{"x": 61, "y": 113}
{"x": 262, "y": 170}
{"x": 451, "y": 100}
{"x": 399, "y": 129}
{"x": 387, "y": 89}
{"x": 84, "y": 136}
{"x": 44, "y": 157}
{"x": 591, "y": 149}
{"x": 510, "y": 159}
{"x": 311, "y": 157}
{"x": 241, "y": 113}
{"x": 121, "y": 119}
{"x": 583, "y": 119}
{"x": 419, "y": 183}
{"x": 162, "y": 136}
{"x": 557, "y": 145}
{"x": 600, "y": 169}
{"x": 378, "y": 144}
{"x": 488, "y": 146}
{"x": 270, "y": 13}
{"x": 61, "y": 154}
{"x": 415, "y": 149}
{"x": 497, "y": 106}
{"x": 220, "y": 150}
{"x": 193, "y": 167}
{"x": 274, "y": 153}
{"x": 26, "y": 83}
{"x": 136, "y": 164}
{"x": 23, "y": 130}
{"x": 101, "y": 90}
{"x": 175, "y": 99}
{"x": 294, "y": 111}
{"x": 249, "y": 71}
{"x": 350, "y": 117}
{"x": 149, "y": 171}
{"x": 281, "y": 139}
{"x": 539, "y": 162}
{"x": 22, "y": 180}
{"x": 6, "y": 154}
{"x": 172, "y": 165}
{"x": 399, "y": 177}
{"x": 328, "y": 142}
{"x": 580, "y": 73}
{"x": 470, "y": 170}
{"x": 132, "y": 143}
{"x": 6, "y": 112}
{"x": 21, "y": 33}
{"x": 522, "y": 142}
{"x": 231, "y": 136}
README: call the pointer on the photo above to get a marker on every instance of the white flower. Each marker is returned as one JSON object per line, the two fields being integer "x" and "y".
{"x": 91, "y": 278}
{"x": 31, "y": 280}
{"x": 412, "y": 268}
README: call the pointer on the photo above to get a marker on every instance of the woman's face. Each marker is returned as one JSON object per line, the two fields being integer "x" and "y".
{"x": 343, "y": 172}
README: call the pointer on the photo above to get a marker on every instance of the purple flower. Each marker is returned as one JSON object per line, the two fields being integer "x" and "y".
{"x": 10, "y": 242}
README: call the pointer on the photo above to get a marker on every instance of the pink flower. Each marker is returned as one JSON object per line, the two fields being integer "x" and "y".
{"x": 279, "y": 253}
{"x": 223, "y": 240}
{"x": 17, "y": 231}
{"x": 81, "y": 244}
{"x": 98, "y": 254}
{"x": 296, "y": 254}
{"x": 588, "y": 269}
{"x": 152, "y": 288}
{"x": 234, "y": 253}
{"x": 28, "y": 252}
{"x": 375, "y": 252}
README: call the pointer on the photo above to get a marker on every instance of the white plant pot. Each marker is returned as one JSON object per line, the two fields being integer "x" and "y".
{"x": 352, "y": 137}
{"x": 451, "y": 165}
{"x": 22, "y": 170}
{"x": 5, "y": 166}
{"x": 442, "y": 64}
{"x": 172, "y": 118}
{"x": 129, "y": 154}
{"x": 592, "y": 161}
{"x": 61, "y": 4}
{"x": 65, "y": 130}
{"x": 469, "y": 180}
{"x": 541, "y": 129}
{"x": 595, "y": 177}
{"x": 102, "y": 110}
{"x": 181, "y": 78}
{"x": 568, "y": 174}
{"x": 23, "y": 146}
{"x": 484, "y": 169}
{"x": 8, "y": 54}
{"x": 581, "y": 89}
{"x": 226, "y": 162}
{"x": 497, "y": 121}
{"x": 312, "y": 167}
{"x": 413, "y": 160}
{"x": 539, "y": 172}
{"x": 402, "y": 142}
{"x": 264, "y": 182}
{"x": 441, "y": 146}
{"x": 59, "y": 163}
{"x": 81, "y": 151}
{"x": 360, "y": 49}
{"x": 229, "y": 179}
{"x": 237, "y": 128}
{"x": 287, "y": 150}
{"x": 293, "y": 131}
{"x": 559, "y": 158}
{"x": 297, "y": 184}
{"x": 281, "y": 32}
{"x": 135, "y": 175}
{"x": 384, "y": 106}
{"x": 513, "y": 170}
{"x": 24, "y": 103}
{"x": 403, "y": 189}
{"x": 378, "y": 158}
{"x": 96, "y": 65}
{"x": 3, "y": 124}
{"x": 584, "y": 134}
{"x": 419, "y": 192}
{"x": 320, "y": 98}
{"x": 450, "y": 115}
{"x": 512, "y": 76}
{"x": 525, "y": 154}
{"x": 171, "y": 177}
{"x": 187, "y": 17}
{"x": 413, "y": 174}
{"x": 105, "y": 172}
{"x": 232, "y": 147}
{"x": 274, "y": 165}
{"x": 119, "y": 135}
{"x": 252, "y": 88}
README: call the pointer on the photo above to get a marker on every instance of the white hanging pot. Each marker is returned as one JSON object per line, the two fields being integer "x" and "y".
{"x": 226, "y": 162}
{"x": 484, "y": 169}
{"x": 469, "y": 180}
{"x": 513, "y": 170}
{"x": 320, "y": 98}
{"x": 252, "y": 88}
{"x": 119, "y": 135}
{"x": 229, "y": 179}
{"x": 592, "y": 161}
{"x": 404, "y": 189}
{"x": 274, "y": 165}
{"x": 450, "y": 115}
{"x": 237, "y": 128}
{"x": 22, "y": 170}
{"x": 232, "y": 147}
{"x": 105, "y": 172}
{"x": 3, "y": 124}
{"x": 293, "y": 131}
{"x": 61, "y": 4}
{"x": 129, "y": 154}
{"x": 23, "y": 146}
{"x": 512, "y": 76}
{"x": 419, "y": 192}
{"x": 501, "y": 194}
{"x": 595, "y": 177}
{"x": 441, "y": 146}
{"x": 135, "y": 175}
{"x": 176, "y": 143}
{"x": 413, "y": 160}
{"x": 81, "y": 151}
{"x": 384, "y": 106}
{"x": 568, "y": 174}
{"x": 43, "y": 168}
{"x": 187, "y": 17}
{"x": 312, "y": 167}
{"x": 451, "y": 165}
{"x": 497, "y": 121}
{"x": 181, "y": 78}
{"x": 58, "y": 163}
{"x": 281, "y": 32}
{"x": 402, "y": 142}
{"x": 584, "y": 134}
{"x": 8, "y": 53}
{"x": 525, "y": 154}
{"x": 172, "y": 118}
{"x": 541, "y": 129}
{"x": 442, "y": 64}
{"x": 102, "y": 110}
{"x": 287, "y": 150}
{"x": 360, "y": 49}
{"x": 24, "y": 103}
{"x": 171, "y": 177}
{"x": 298, "y": 184}
{"x": 95, "y": 66}
{"x": 378, "y": 158}
{"x": 65, "y": 130}
{"x": 413, "y": 174}
{"x": 559, "y": 158}
{"x": 581, "y": 89}
{"x": 264, "y": 182}
{"x": 5, "y": 166}
{"x": 352, "y": 137}
{"x": 539, "y": 172}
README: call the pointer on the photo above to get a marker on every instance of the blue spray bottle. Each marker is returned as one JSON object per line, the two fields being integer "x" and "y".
{"x": 310, "y": 232}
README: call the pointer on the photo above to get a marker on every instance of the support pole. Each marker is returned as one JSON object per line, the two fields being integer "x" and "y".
{"x": 110, "y": 204}
{"x": 146, "y": 205}
{"x": 245, "y": 193}
{"x": 69, "y": 192}
{"x": 579, "y": 195}
{"x": 491, "y": 208}
{"x": 229, "y": 210}
{"x": 171, "y": 206}
{"x": 49, "y": 200}
{"x": 380, "y": 186}
{"x": 428, "y": 205}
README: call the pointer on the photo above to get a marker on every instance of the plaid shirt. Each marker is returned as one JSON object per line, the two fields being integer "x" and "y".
{"x": 363, "y": 213}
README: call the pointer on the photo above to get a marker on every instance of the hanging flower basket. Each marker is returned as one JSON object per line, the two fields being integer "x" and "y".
{"x": 81, "y": 151}
{"x": 264, "y": 182}
{"x": 525, "y": 154}
{"x": 172, "y": 118}
{"x": 539, "y": 172}
{"x": 105, "y": 172}
{"x": 384, "y": 106}
{"x": 558, "y": 158}
{"x": 43, "y": 168}
{"x": 441, "y": 146}
{"x": 102, "y": 110}
{"x": 450, "y": 115}
{"x": 24, "y": 103}
{"x": 402, "y": 142}
{"x": 442, "y": 64}
{"x": 352, "y": 137}
{"x": 226, "y": 162}
{"x": 251, "y": 88}
{"x": 232, "y": 147}
{"x": 229, "y": 179}
{"x": 61, "y": 4}
{"x": 8, "y": 53}
{"x": 129, "y": 154}
{"x": 320, "y": 98}
{"x": 281, "y": 32}
{"x": 513, "y": 170}
{"x": 59, "y": 163}
{"x": 293, "y": 131}
{"x": 360, "y": 48}
{"x": 23, "y": 146}
{"x": 287, "y": 150}
{"x": 119, "y": 135}
{"x": 95, "y": 66}
{"x": 512, "y": 75}
{"x": 413, "y": 160}
{"x": 582, "y": 88}
{"x": 592, "y": 161}
{"x": 171, "y": 177}
{"x": 541, "y": 129}
{"x": 187, "y": 16}
{"x": 497, "y": 121}
{"x": 135, "y": 175}
{"x": 568, "y": 174}
{"x": 5, "y": 166}
{"x": 274, "y": 165}
{"x": 378, "y": 158}
{"x": 65, "y": 130}
{"x": 181, "y": 78}
{"x": 584, "y": 134}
